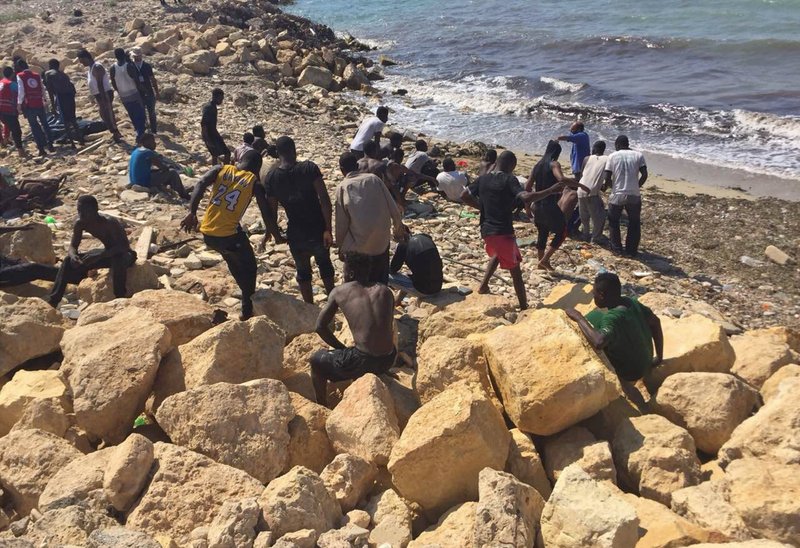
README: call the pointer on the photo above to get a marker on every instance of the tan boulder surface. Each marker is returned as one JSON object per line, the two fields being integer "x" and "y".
{"x": 364, "y": 423}
{"x": 309, "y": 445}
{"x": 185, "y": 489}
{"x": 110, "y": 367}
{"x": 77, "y": 481}
{"x": 474, "y": 315}
{"x": 770, "y": 386}
{"x": 100, "y": 288}
{"x": 660, "y": 527}
{"x": 34, "y": 245}
{"x": 456, "y": 527}
{"x": 296, "y": 370}
{"x": 349, "y": 478}
{"x": 292, "y": 315}
{"x": 577, "y": 445}
{"x": 445, "y": 361}
{"x": 585, "y": 512}
{"x": 235, "y": 524}
{"x": 709, "y": 405}
{"x": 29, "y": 328}
{"x": 772, "y": 433}
{"x": 707, "y": 506}
{"x": 242, "y": 425}
{"x": 525, "y": 464}
{"x": 654, "y": 457}
{"x": 445, "y": 445}
{"x": 569, "y": 295}
{"x": 760, "y": 353}
{"x": 28, "y": 461}
{"x": 67, "y": 526}
{"x": 539, "y": 396}
{"x": 127, "y": 471}
{"x": 508, "y": 511}
{"x": 27, "y": 387}
{"x": 119, "y": 537}
{"x": 391, "y": 519}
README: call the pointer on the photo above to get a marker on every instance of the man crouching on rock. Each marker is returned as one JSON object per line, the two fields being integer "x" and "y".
{"x": 368, "y": 308}
{"x": 116, "y": 253}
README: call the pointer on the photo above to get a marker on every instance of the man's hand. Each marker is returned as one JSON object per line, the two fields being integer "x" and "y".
{"x": 401, "y": 233}
{"x": 573, "y": 314}
{"x": 657, "y": 361}
{"x": 327, "y": 239}
{"x": 74, "y": 257}
{"x": 189, "y": 223}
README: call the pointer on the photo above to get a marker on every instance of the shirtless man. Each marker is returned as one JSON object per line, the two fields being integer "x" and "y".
{"x": 116, "y": 253}
{"x": 368, "y": 308}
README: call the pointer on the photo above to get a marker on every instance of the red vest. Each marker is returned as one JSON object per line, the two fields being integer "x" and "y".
{"x": 8, "y": 98}
{"x": 34, "y": 92}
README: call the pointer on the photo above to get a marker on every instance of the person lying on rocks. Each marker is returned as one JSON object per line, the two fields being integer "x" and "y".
{"x": 622, "y": 327}
{"x": 16, "y": 272}
{"x": 496, "y": 195}
{"x": 232, "y": 190}
{"x": 141, "y": 173}
{"x": 116, "y": 253}
{"x": 368, "y": 308}
{"x": 422, "y": 257}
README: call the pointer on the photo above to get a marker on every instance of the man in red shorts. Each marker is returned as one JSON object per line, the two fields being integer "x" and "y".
{"x": 497, "y": 194}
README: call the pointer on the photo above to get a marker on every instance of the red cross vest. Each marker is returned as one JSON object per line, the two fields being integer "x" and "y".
{"x": 8, "y": 97}
{"x": 34, "y": 92}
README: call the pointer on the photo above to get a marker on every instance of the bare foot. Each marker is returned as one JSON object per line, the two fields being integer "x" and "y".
{"x": 545, "y": 265}
{"x": 483, "y": 290}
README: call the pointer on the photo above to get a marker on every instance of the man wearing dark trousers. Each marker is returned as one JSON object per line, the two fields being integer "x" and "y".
{"x": 16, "y": 272}
{"x": 626, "y": 172}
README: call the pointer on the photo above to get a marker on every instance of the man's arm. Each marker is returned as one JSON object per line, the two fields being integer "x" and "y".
{"x": 399, "y": 229}
{"x": 327, "y": 209}
{"x": 98, "y": 72}
{"x": 9, "y": 229}
{"x": 642, "y": 175}
{"x": 189, "y": 223}
{"x": 607, "y": 181}
{"x": 20, "y": 93}
{"x": 133, "y": 72}
{"x": 530, "y": 197}
{"x": 75, "y": 242}
{"x": 154, "y": 83}
{"x": 342, "y": 217}
{"x": 49, "y": 93}
{"x": 112, "y": 75}
{"x": 595, "y": 338}
{"x": 324, "y": 320}
{"x": 469, "y": 199}
{"x": 658, "y": 336}
{"x": 120, "y": 237}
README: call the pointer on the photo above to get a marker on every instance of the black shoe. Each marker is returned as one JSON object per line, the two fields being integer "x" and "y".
{"x": 51, "y": 148}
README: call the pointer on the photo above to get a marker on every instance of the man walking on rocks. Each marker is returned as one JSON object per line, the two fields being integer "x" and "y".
{"x": 125, "y": 79}
{"x": 208, "y": 128}
{"x": 116, "y": 253}
{"x": 31, "y": 101}
{"x": 368, "y": 308}
{"x": 149, "y": 87}
{"x": 497, "y": 195}
{"x": 300, "y": 189}
{"x": 100, "y": 88}
{"x": 369, "y": 130}
{"x": 626, "y": 172}
{"x": 62, "y": 99}
{"x": 9, "y": 114}
{"x": 232, "y": 189}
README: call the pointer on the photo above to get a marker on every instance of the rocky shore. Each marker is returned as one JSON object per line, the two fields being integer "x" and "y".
{"x": 489, "y": 434}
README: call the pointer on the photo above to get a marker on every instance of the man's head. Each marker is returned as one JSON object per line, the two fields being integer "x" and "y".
{"x": 259, "y": 145}
{"x": 506, "y": 161}
{"x": 553, "y": 150}
{"x": 356, "y": 267}
{"x": 576, "y": 127}
{"x": 598, "y": 148}
{"x": 248, "y": 138}
{"x": 87, "y": 208}
{"x": 607, "y": 290}
{"x": 348, "y": 163}
{"x": 217, "y": 96}
{"x": 287, "y": 151}
{"x": 147, "y": 140}
{"x": 136, "y": 55}
{"x": 490, "y": 157}
{"x": 120, "y": 55}
{"x": 382, "y": 113}
{"x": 251, "y": 161}
{"x": 397, "y": 155}
{"x": 421, "y": 145}
{"x": 258, "y": 131}
{"x": 448, "y": 164}
{"x": 622, "y": 143}
{"x": 8, "y": 72}
{"x": 21, "y": 65}
{"x": 53, "y": 64}
{"x": 85, "y": 57}
{"x": 372, "y": 150}
{"x": 396, "y": 139}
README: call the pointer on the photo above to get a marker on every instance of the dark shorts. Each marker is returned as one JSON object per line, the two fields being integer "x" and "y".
{"x": 352, "y": 363}
{"x": 302, "y": 253}
{"x": 357, "y": 153}
{"x": 216, "y": 146}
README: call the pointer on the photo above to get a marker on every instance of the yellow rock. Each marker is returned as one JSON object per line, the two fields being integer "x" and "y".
{"x": 577, "y": 296}
{"x": 761, "y": 352}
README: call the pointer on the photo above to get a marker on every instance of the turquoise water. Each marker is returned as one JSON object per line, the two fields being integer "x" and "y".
{"x": 714, "y": 81}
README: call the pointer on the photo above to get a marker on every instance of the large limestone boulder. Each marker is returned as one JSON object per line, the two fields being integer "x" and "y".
{"x": 663, "y": 528}
{"x": 299, "y": 500}
{"x": 235, "y": 524}
{"x": 707, "y": 506}
{"x": 525, "y": 464}
{"x": 315, "y": 76}
{"x": 364, "y": 423}
{"x": 349, "y": 478}
{"x": 29, "y": 328}
{"x": 766, "y": 494}
{"x": 456, "y": 527}
{"x": 577, "y": 445}
{"x": 770, "y": 386}
{"x": 110, "y": 367}
{"x": 654, "y": 457}
{"x": 68, "y": 526}
{"x": 242, "y": 425}
{"x": 772, "y": 433}
{"x": 508, "y": 511}
{"x": 79, "y": 480}
{"x": 28, "y": 460}
{"x": 445, "y": 445}
{"x": 548, "y": 376}
{"x": 474, "y": 315}
{"x": 127, "y": 471}
{"x": 309, "y": 445}
{"x": 200, "y": 62}
{"x": 760, "y": 543}
{"x": 34, "y": 245}
{"x": 296, "y": 370}
{"x": 185, "y": 315}
{"x": 391, "y": 519}
{"x": 120, "y": 537}
{"x": 761, "y": 352}
{"x": 28, "y": 387}
{"x": 709, "y": 405}
{"x": 186, "y": 488}
{"x": 692, "y": 343}
{"x": 445, "y": 361}
{"x": 675, "y": 306}
{"x": 584, "y": 512}
{"x": 292, "y": 315}
{"x": 100, "y": 288}
{"x": 232, "y": 352}
{"x": 569, "y": 295}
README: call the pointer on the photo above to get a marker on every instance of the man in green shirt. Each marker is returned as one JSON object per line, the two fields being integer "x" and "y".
{"x": 627, "y": 330}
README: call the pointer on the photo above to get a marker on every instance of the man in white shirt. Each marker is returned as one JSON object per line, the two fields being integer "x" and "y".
{"x": 450, "y": 181}
{"x": 369, "y": 130}
{"x": 626, "y": 172}
{"x": 421, "y": 166}
{"x": 590, "y": 204}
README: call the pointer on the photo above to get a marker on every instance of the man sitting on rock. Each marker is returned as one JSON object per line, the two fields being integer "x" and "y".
{"x": 627, "y": 330}
{"x": 368, "y": 308}
{"x": 116, "y": 253}
{"x": 140, "y": 171}
{"x": 16, "y": 272}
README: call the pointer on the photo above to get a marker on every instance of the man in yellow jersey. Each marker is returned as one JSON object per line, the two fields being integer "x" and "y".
{"x": 232, "y": 189}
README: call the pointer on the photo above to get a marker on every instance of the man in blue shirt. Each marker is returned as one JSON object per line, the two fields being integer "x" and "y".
{"x": 580, "y": 147}
{"x": 140, "y": 171}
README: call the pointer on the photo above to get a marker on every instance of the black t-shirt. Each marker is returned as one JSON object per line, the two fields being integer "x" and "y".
{"x": 145, "y": 78}
{"x": 422, "y": 258}
{"x": 294, "y": 190}
{"x": 497, "y": 193}
{"x": 210, "y": 117}
{"x": 543, "y": 178}
{"x": 58, "y": 83}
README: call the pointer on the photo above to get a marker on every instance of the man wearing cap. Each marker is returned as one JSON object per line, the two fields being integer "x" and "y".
{"x": 148, "y": 87}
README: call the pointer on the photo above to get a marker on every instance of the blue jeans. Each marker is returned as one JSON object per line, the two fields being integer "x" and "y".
{"x": 137, "y": 115}
{"x": 37, "y": 118}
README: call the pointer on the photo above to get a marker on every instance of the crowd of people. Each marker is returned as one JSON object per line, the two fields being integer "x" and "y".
{"x": 368, "y": 203}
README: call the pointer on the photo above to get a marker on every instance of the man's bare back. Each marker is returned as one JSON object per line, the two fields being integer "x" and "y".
{"x": 369, "y": 311}
{"x": 106, "y": 229}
